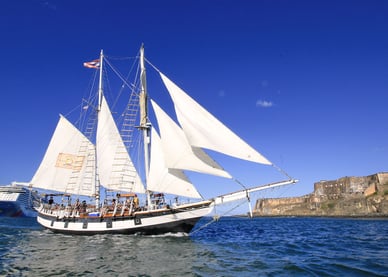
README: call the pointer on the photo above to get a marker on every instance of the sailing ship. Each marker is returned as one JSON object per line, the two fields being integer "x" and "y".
{"x": 17, "y": 200}
{"x": 77, "y": 165}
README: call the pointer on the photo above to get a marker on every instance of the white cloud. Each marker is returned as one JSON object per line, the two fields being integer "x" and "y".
{"x": 264, "y": 103}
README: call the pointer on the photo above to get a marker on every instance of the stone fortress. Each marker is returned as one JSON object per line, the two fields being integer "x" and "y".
{"x": 345, "y": 197}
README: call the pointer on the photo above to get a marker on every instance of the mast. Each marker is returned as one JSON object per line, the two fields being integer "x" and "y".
{"x": 100, "y": 94}
{"x": 144, "y": 124}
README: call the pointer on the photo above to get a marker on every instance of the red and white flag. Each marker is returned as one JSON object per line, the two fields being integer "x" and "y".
{"x": 93, "y": 64}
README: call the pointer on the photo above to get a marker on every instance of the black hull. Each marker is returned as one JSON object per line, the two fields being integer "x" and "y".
{"x": 156, "y": 222}
{"x": 175, "y": 227}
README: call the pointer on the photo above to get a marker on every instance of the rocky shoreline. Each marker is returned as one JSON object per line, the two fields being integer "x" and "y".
{"x": 349, "y": 197}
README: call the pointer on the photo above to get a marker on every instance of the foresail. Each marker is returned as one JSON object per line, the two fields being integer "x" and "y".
{"x": 64, "y": 165}
{"x": 204, "y": 130}
{"x": 177, "y": 151}
{"x": 114, "y": 165}
{"x": 162, "y": 179}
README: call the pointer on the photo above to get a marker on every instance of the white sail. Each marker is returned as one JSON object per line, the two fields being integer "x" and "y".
{"x": 114, "y": 166}
{"x": 166, "y": 180}
{"x": 63, "y": 167}
{"x": 204, "y": 130}
{"x": 177, "y": 151}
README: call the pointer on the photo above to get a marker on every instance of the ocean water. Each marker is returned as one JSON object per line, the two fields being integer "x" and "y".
{"x": 229, "y": 247}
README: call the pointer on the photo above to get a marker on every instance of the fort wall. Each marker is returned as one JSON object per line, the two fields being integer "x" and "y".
{"x": 346, "y": 196}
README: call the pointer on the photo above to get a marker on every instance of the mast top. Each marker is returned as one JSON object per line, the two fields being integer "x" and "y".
{"x": 100, "y": 84}
{"x": 143, "y": 92}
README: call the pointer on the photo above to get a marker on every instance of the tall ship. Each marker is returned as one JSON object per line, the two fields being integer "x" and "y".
{"x": 101, "y": 186}
{"x": 17, "y": 200}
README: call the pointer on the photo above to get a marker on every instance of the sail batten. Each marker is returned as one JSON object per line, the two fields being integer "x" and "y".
{"x": 203, "y": 130}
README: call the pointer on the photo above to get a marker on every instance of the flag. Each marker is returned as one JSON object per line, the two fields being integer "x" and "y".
{"x": 93, "y": 64}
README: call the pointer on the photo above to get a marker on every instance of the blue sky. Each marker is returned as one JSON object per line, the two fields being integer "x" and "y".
{"x": 305, "y": 82}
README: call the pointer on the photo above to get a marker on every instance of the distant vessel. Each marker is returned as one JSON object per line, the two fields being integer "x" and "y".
{"x": 82, "y": 164}
{"x": 18, "y": 201}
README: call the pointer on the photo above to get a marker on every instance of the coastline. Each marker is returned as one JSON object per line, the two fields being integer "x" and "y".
{"x": 352, "y": 197}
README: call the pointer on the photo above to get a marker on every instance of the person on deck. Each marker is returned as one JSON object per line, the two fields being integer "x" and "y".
{"x": 136, "y": 201}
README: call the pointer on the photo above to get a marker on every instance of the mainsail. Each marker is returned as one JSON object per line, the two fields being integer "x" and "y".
{"x": 204, "y": 130}
{"x": 64, "y": 165}
{"x": 115, "y": 168}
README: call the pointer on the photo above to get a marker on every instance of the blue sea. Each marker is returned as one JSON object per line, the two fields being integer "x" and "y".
{"x": 229, "y": 247}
